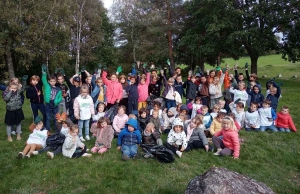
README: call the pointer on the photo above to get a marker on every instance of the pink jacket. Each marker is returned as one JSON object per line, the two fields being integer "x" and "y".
{"x": 285, "y": 121}
{"x": 104, "y": 136}
{"x": 114, "y": 89}
{"x": 119, "y": 122}
{"x": 143, "y": 89}
{"x": 231, "y": 140}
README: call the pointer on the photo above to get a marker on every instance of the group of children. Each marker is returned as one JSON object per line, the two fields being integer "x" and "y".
{"x": 86, "y": 98}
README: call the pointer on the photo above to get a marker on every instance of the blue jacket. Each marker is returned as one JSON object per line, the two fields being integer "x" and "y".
{"x": 274, "y": 99}
{"x": 96, "y": 90}
{"x": 179, "y": 88}
{"x": 256, "y": 97}
{"x": 130, "y": 138}
{"x": 132, "y": 91}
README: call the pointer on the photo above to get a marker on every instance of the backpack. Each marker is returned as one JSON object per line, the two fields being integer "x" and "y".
{"x": 110, "y": 114}
{"x": 161, "y": 153}
{"x": 55, "y": 140}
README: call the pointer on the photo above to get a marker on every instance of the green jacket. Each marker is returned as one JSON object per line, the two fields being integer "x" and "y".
{"x": 47, "y": 94}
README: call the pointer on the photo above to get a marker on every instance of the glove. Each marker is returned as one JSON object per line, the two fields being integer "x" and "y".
{"x": 235, "y": 102}
{"x": 104, "y": 67}
{"x": 224, "y": 70}
{"x": 190, "y": 73}
{"x": 246, "y": 65}
{"x": 44, "y": 68}
{"x": 168, "y": 62}
{"x": 133, "y": 65}
{"x": 145, "y": 65}
{"x": 25, "y": 77}
{"x": 62, "y": 71}
{"x": 152, "y": 66}
{"x": 119, "y": 69}
{"x": 99, "y": 65}
{"x": 218, "y": 68}
{"x": 83, "y": 68}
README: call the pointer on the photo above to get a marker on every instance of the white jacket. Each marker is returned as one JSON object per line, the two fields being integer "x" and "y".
{"x": 69, "y": 146}
{"x": 177, "y": 138}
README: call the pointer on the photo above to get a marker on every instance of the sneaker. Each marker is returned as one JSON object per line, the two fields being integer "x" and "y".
{"x": 87, "y": 150}
{"x": 19, "y": 137}
{"x": 20, "y": 155}
{"x": 35, "y": 153}
{"x": 136, "y": 156}
{"x": 210, "y": 148}
{"x": 125, "y": 157}
{"x": 179, "y": 153}
{"x": 50, "y": 155}
{"x": 148, "y": 156}
{"x": 27, "y": 156}
{"x": 13, "y": 133}
{"x": 218, "y": 152}
{"x": 87, "y": 155}
{"x": 82, "y": 139}
{"x": 87, "y": 137}
{"x": 9, "y": 139}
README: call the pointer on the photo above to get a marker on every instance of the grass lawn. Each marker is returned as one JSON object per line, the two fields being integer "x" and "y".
{"x": 272, "y": 158}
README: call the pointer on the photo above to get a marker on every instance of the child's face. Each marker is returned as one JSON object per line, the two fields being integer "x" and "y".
{"x": 142, "y": 81}
{"x": 238, "y": 108}
{"x": 52, "y": 82}
{"x": 256, "y": 90}
{"x": 212, "y": 74}
{"x": 155, "y": 114}
{"x": 103, "y": 124}
{"x": 144, "y": 115}
{"x": 226, "y": 124}
{"x": 84, "y": 93}
{"x": 273, "y": 92}
{"x": 76, "y": 83}
{"x": 177, "y": 129}
{"x": 39, "y": 126}
{"x": 156, "y": 107}
{"x": 170, "y": 83}
{"x": 88, "y": 80}
{"x": 198, "y": 102}
{"x": 241, "y": 77}
{"x": 99, "y": 83}
{"x": 203, "y": 79}
{"x": 64, "y": 125}
{"x": 130, "y": 128}
{"x": 60, "y": 79}
{"x": 178, "y": 71}
{"x": 132, "y": 81}
{"x": 101, "y": 108}
{"x": 122, "y": 80}
{"x": 179, "y": 79}
{"x": 74, "y": 132}
{"x": 121, "y": 111}
{"x": 204, "y": 111}
{"x": 216, "y": 80}
{"x": 193, "y": 124}
{"x": 154, "y": 74}
{"x": 221, "y": 104}
{"x": 13, "y": 88}
{"x": 215, "y": 110}
{"x": 184, "y": 112}
{"x": 34, "y": 82}
{"x": 253, "y": 107}
{"x": 193, "y": 79}
{"x": 241, "y": 86}
{"x": 285, "y": 111}
{"x": 265, "y": 105}
{"x": 113, "y": 78}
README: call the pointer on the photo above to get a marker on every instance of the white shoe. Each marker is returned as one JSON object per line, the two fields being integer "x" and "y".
{"x": 27, "y": 156}
{"x": 50, "y": 155}
{"x": 87, "y": 155}
{"x": 179, "y": 153}
{"x": 87, "y": 137}
{"x": 35, "y": 153}
{"x": 82, "y": 139}
{"x": 13, "y": 133}
{"x": 218, "y": 152}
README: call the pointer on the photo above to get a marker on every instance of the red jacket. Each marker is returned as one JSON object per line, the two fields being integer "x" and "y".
{"x": 230, "y": 140}
{"x": 114, "y": 89}
{"x": 285, "y": 121}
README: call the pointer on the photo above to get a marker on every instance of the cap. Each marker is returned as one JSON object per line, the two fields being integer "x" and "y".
{"x": 76, "y": 79}
{"x": 198, "y": 75}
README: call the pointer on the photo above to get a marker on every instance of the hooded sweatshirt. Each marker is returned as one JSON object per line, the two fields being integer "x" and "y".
{"x": 129, "y": 138}
{"x": 114, "y": 90}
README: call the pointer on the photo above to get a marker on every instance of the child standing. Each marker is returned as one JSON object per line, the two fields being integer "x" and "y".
{"x": 36, "y": 140}
{"x": 267, "y": 117}
{"x": 274, "y": 96}
{"x": 143, "y": 90}
{"x": 169, "y": 92}
{"x": 84, "y": 110}
{"x": 133, "y": 95}
{"x": 252, "y": 118}
{"x": 284, "y": 121}
{"x": 177, "y": 141}
{"x": 120, "y": 120}
{"x": 230, "y": 144}
{"x": 215, "y": 90}
{"x": 128, "y": 140}
{"x": 256, "y": 95}
{"x": 240, "y": 94}
{"x": 73, "y": 147}
{"x": 191, "y": 89}
{"x": 99, "y": 92}
{"x": 195, "y": 105}
{"x": 14, "y": 113}
{"x": 104, "y": 135}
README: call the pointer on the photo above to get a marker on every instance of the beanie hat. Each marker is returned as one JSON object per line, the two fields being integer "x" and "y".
{"x": 172, "y": 110}
{"x": 184, "y": 107}
{"x": 37, "y": 120}
{"x": 76, "y": 79}
{"x": 177, "y": 122}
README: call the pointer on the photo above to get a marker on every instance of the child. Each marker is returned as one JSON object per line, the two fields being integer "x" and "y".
{"x": 230, "y": 144}
{"x": 133, "y": 95}
{"x": 238, "y": 76}
{"x": 177, "y": 141}
{"x": 14, "y": 113}
{"x": 215, "y": 111}
{"x": 155, "y": 85}
{"x": 156, "y": 121}
{"x": 99, "y": 92}
{"x": 215, "y": 90}
{"x": 35, "y": 93}
{"x": 150, "y": 136}
{"x": 240, "y": 94}
{"x": 169, "y": 92}
{"x": 143, "y": 118}
{"x": 267, "y": 116}
{"x": 239, "y": 113}
{"x": 191, "y": 89}
{"x": 195, "y": 135}
{"x": 184, "y": 111}
{"x": 207, "y": 119}
{"x": 36, "y": 140}
{"x": 143, "y": 90}
{"x": 216, "y": 124}
{"x": 256, "y": 95}
{"x": 222, "y": 107}
{"x": 73, "y": 147}
{"x": 284, "y": 121}
{"x": 104, "y": 135}
{"x": 237, "y": 125}
{"x": 120, "y": 120}
{"x": 274, "y": 96}
{"x": 84, "y": 111}
{"x": 195, "y": 105}
{"x": 124, "y": 100}
{"x": 64, "y": 90}
{"x": 168, "y": 118}
{"x": 178, "y": 84}
{"x": 53, "y": 97}
{"x": 252, "y": 118}
{"x": 100, "y": 112}
{"x": 128, "y": 140}
{"x": 203, "y": 90}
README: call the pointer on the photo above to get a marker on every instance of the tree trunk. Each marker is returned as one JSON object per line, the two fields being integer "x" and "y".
{"x": 79, "y": 29}
{"x": 170, "y": 41}
{"x": 133, "y": 43}
{"x": 201, "y": 64}
{"x": 10, "y": 65}
{"x": 254, "y": 60}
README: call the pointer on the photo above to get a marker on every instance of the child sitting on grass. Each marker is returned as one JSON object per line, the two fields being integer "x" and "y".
{"x": 284, "y": 121}
{"x": 36, "y": 140}
{"x": 267, "y": 117}
{"x": 104, "y": 135}
{"x": 155, "y": 120}
{"x": 168, "y": 118}
{"x": 120, "y": 119}
{"x": 239, "y": 112}
{"x": 143, "y": 118}
{"x": 100, "y": 112}
{"x": 230, "y": 144}
{"x": 177, "y": 141}
{"x": 252, "y": 118}
{"x": 73, "y": 147}
{"x": 216, "y": 124}
{"x": 128, "y": 140}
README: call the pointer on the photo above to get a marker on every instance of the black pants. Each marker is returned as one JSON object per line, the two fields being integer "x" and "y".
{"x": 205, "y": 100}
{"x": 57, "y": 151}
{"x": 194, "y": 145}
{"x": 132, "y": 105}
{"x": 124, "y": 102}
{"x": 79, "y": 152}
{"x": 172, "y": 148}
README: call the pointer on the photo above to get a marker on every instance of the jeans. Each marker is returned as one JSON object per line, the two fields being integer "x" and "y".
{"x": 170, "y": 103}
{"x": 86, "y": 126}
{"x": 51, "y": 111}
{"x": 205, "y": 100}
{"x": 55, "y": 152}
{"x": 35, "y": 107}
{"x": 132, "y": 105}
{"x": 220, "y": 145}
{"x": 281, "y": 129}
{"x": 129, "y": 150}
{"x": 264, "y": 128}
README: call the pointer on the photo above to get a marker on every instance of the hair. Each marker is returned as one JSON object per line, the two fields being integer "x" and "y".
{"x": 14, "y": 80}
{"x": 216, "y": 106}
{"x": 254, "y": 103}
{"x": 267, "y": 101}
{"x": 84, "y": 87}
{"x": 157, "y": 104}
{"x": 181, "y": 127}
{"x": 221, "y": 100}
{"x": 63, "y": 87}
{"x": 200, "y": 116}
{"x": 242, "y": 83}
{"x": 142, "y": 110}
{"x": 59, "y": 75}
{"x": 12, "y": 84}
{"x": 177, "y": 68}
{"x": 52, "y": 77}
{"x": 155, "y": 70}
{"x": 34, "y": 77}
{"x": 102, "y": 120}
{"x": 198, "y": 98}
{"x": 151, "y": 126}
{"x": 74, "y": 127}
{"x": 241, "y": 74}
{"x": 232, "y": 125}
{"x": 193, "y": 77}
{"x": 273, "y": 89}
{"x": 114, "y": 75}
{"x": 240, "y": 104}
{"x": 183, "y": 117}
{"x": 221, "y": 115}
{"x": 204, "y": 107}
{"x": 100, "y": 104}
{"x": 143, "y": 77}
{"x": 155, "y": 111}
{"x": 131, "y": 116}
{"x": 285, "y": 107}
{"x": 197, "y": 121}
{"x": 122, "y": 107}
{"x": 232, "y": 115}
{"x": 98, "y": 79}
{"x": 89, "y": 76}
{"x": 171, "y": 79}
{"x": 213, "y": 71}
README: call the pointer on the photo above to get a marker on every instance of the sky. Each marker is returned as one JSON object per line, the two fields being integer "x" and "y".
{"x": 107, "y": 3}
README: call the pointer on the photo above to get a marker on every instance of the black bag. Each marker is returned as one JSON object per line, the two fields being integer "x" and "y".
{"x": 161, "y": 153}
{"x": 110, "y": 114}
{"x": 55, "y": 140}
